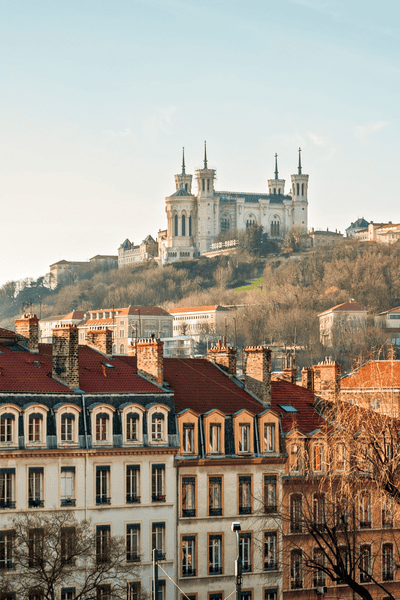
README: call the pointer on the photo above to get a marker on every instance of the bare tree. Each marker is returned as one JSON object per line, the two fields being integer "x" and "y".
{"x": 42, "y": 554}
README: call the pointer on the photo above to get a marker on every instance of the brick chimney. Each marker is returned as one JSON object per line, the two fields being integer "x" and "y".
{"x": 150, "y": 364}
{"x": 307, "y": 378}
{"x": 289, "y": 371}
{"x": 327, "y": 379}
{"x": 65, "y": 356}
{"x": 257, "y": 360}
{"x": 27, "y": 329}
{"x": 132, "y": 348}
{"x": 223, "y": 356}
{"x": 100, "y": 340}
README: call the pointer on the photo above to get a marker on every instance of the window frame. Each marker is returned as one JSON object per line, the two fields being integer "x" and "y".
{"x": 105, "y": 412}
{"x": 133, "y": 542}
{"x": 215, "y": 553}
{"x": 188, "y": 555}
{"x": 65, "y": 498}
{"x": 270, "y": 507}
{"x": 132, "y": 473}
{"x": 67, "y": 412}
{"x": 7, "y": 488}
{"x": 188, "y": 489}
{"x": 158, "y": 491}
{"x": 36, "y": 483}
{"x": 270, "y": 547}
{"x": 38, "y": 413}
{"x": 215, "y": 497}
{"x": 158, "y": 532}
{"x": 102, "y": 487}
{"x": 245, "y": 494}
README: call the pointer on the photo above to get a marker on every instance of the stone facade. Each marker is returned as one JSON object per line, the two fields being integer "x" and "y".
{"x": 65, "y": 356}
{"x": 128, "y": 253}
{"x": 195, "y": 221}
{"x": 28, "y": 328}
{"x": 150, "y": 360}
{"x": 257, "y": 360}
{"x": 224, "y": 356}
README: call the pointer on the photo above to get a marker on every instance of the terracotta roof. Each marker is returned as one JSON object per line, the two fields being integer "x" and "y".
{"x": 390, "y": 310}
{"x": 107, "y": 321}
{"x": 7, "y": 334}
{"x": 51, "y": 318}
{"x": 375, "y": 374}
{"x": 144, "y": 311}
{"x": 75, "y": 314}
{"x": 306, "y": 419}
{"x": 345, "y": 307}
{"x": 189, "y": 309}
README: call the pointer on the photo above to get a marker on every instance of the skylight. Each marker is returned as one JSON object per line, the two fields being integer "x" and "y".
{"x": 288, "y": 408}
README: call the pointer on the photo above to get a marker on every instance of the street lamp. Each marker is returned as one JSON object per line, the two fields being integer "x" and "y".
{"x": 236, "y": 527}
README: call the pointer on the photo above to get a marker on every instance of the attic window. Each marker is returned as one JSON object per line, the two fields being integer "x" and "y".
{"x": 36, "y": 363}
{"x": 288, "y": 408}
{"x": 108, "y": 365}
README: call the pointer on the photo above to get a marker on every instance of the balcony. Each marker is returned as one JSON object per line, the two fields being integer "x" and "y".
{"x": 188, "y": 572}
{"x": 103, "y": 500}
{"x": 270, "y": 508}
{"x": 365, "y": 524}
{"x": 158, "y": 498}
{"x": 35, "y": 503}
{"x": 188, "y": 512}
{"x": 68, "y": 502}
{"x": 215, "y": 512}
{"x": 7, "y": 504}
{"x": 215, "y": 570}
{"x": 270, "y": 565}
{"x": 244, "y": 510}
{"x": 132, "y": 499}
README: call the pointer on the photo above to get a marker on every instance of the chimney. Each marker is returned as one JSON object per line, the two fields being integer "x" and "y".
{"x": 27, "y": 329}
{"x": 327, "y": 379}
{"x": 289, "y": 371}
{"x": 307, "y": 378}
{"x": 132, "y": 348}
{"x": 150, "y": 362}
{"x": 100, "y": 340}
{"x": 257, "y": 360}
{"x": 223, "y": 356}
{"x": 65, "y": 356}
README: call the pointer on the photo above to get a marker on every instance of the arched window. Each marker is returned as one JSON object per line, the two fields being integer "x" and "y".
{"x": 176, "y": 225}
{"x": 114, "y": 349}
{"x": 208, "y": 185}
{"x": 275, "y": 228}
{"x": 225, "y": 224}
{"x": 186, "y": 186}
{"x": 251, "y": 220}
{"x": 203, "y": 181}
{"x": 122, "y": 349}
{"x": 279, "y": 191}
{"x": 190, "y": 225}
{"x": 302, "y": 189}
{"x": 183, "y": 225}
{"x": 298, "y": 189}
{"x": 274, "y": 190}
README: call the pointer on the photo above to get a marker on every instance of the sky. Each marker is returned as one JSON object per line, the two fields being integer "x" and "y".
{"x": 97, "y": 99}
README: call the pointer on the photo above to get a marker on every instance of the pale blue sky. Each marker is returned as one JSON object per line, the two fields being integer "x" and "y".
{"x": 98, "y": 98}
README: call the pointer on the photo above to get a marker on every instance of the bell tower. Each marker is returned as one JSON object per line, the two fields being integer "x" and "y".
{"x": 300, "y": 197}
{"x": 205, "y": 178}
{"x": 207, "y": 206}
{"x": 183, "y": 180}
{"x": 276, "y": 185}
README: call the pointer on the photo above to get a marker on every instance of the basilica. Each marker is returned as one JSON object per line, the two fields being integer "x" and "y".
{"x": 195, "y": 221}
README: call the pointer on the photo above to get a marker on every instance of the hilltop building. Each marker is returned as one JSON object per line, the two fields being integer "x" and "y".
{"x": 195, "y": 221}
{"x": 340, "y": 320}
{"x": 361, "y": 223}
{"x": 62, "y": 269}
{"x": 383, "y": 233}
{"x": 128, "y": 253}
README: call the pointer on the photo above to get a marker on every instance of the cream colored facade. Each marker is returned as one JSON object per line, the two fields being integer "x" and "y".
{"x": 128, "y": 253}
{"x": 383, "y": 233}
{"x": 197, "y": 320}
{"x": 195, "y": 221}
{"x": 341, "y": 319}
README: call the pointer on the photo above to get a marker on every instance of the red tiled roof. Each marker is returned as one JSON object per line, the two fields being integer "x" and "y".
{"x": 376, "y": 374}
{"x": 75, "y": 314}
{"x": 346, "y": 307}
{"x": 6, "y": 334}
{"x": 306, "y": 419}
{"x": 144, "y": 311}
{"x": 189, "y": 309}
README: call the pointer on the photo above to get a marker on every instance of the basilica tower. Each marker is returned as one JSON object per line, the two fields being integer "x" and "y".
{"x": 300, "y": 197}
{"x": 276, "y": 185}
{"x": 184, "y": 180}
{"x": 207, "y": 206}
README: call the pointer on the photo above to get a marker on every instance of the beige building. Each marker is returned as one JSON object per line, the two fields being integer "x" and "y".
{"x": 128, "y": 253}
{"x": 127, "y": 324}
{"x": 195, "y": 221}
{"x": 197, "y": 320}
{"x": 47, "y": 324}
{"x": 389, "y": 321}
{"x": 64, "y": 268}
{"x": 324, "y": 238}
{"x": 339, "y": 320}
{"x": 383, "y": 233}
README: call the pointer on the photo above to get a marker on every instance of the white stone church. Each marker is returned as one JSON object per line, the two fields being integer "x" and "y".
{"x": 195, "y": 221}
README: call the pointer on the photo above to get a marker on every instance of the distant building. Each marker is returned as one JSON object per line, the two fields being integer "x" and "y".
{"x": 341, "y": 319}
{"x": 356, "y": 226}
{"x": 63, "y": 268}
{"x": 383, "y": 233}
{"x": 128, "y": 253}
{"x": 197, "y": 320}
{"x": 389, "y": 320}
{"x": 47, "y": 324}
{"x": 324, "y": 238}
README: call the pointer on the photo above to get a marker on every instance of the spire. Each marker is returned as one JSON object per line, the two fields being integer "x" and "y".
{"x": 299, "y": 161}
{"x": 205, "y": 155}
{"x": 183, "y": 161}
{"x": 276, "y": 166}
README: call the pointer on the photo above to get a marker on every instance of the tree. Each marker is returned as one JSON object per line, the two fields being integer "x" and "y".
{"x": 48, "y": 552}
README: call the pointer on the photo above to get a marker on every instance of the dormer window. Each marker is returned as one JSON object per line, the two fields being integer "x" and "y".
{"x": 102, "y": 424}
{"x": 244, "y": 441}
{"x": 67, "y": 427}
{"x": 102, "y": 427}
{"x": 215, "y": 438}
{"x": 269, "y": 437}
{"x": 188, "y": 438}
{"x": 67, "y": 417}
{"x": 35, "y": 427}
{"x": 132, "y": 427}
{"x": 7, "y": 428}
{"x": 157, "y": 427}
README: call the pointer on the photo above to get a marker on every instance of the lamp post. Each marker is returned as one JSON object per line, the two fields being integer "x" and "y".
{"x": 236, "y": 527}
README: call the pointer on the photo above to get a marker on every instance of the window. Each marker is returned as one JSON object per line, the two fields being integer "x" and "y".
{"x": 158, "y": 483}
{"x": 132, "y": 427}
{"x": 294, "y": 458}
{"x": 244, "y": 437}
{"x": 245, "y": 495}
{"x": 270, "y": 500}
{"x": 225, "y": 224}
{"x": 157, "y": 427}
{"x": 215, "y": 496}
{"x": 35, "y": 427}
{"x": 158, "y": 539}
{"x": 67, "y": 427}
{"x": 161, "y": 589}
{"x": 132, "y": 483}
{"x": 6, "y": 549}
{"x": 387, "y": 562}
{"x": 340, "y": 457}
{"x": 103, "y": 592}
{"x": 365, "y": 563}
{"x": 341, "y": 511}
{"x": 7, "y": 493}
{"x": 245, "y": 551}
{"x": 133, "y": 590}
{"x": 215, "y": 554}
{"x": 269, "y": 437}
{"x": 387, "y": 512}
{"x": 270, "y": 551}
{"x": 318, "y": 510}
{"x": 365, "y": 510}
{"x": 188, "y": 555}
{"x": 176, "y": 233}
{"x": 215, "y": 438}
{"x": 67, "y": 486}
{"x": 190, "y": 222}
{"x": 35, "y": 487}
{"x": 318, "y": 453}
{"x": 183, "y": 221}
{"x": 35, "y": 547}
{"x": 103, "y": 485}
{"x": 271, "y": 594}
{"x": 133, "y": 542}
{"x": 103, "y": 535}
{"x": 188, "y": 438}
{"x": 121, "y": 333}
{"x": 296, "y": 569}
{"x": 319, "y": 574}
{"x": 67, "y": 593}
{"x": 68, "y": 541}
{"x": 7, "y": 421}
{"x": 296, "y": 516}
{"x": 188, "y": 497}
{"x": 102, "y": 427}
{"x": 35, "y": 595}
